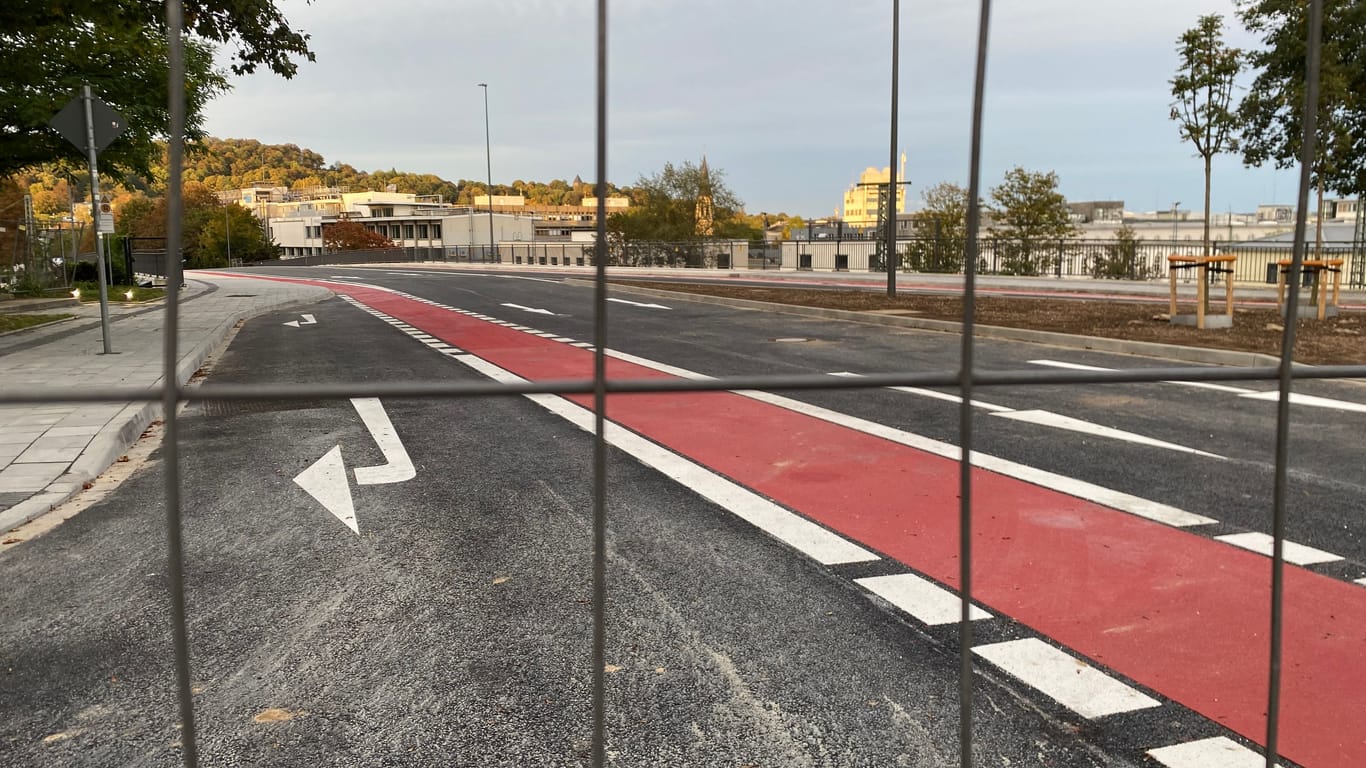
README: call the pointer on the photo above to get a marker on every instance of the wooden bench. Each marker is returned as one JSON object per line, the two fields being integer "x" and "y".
{"x": 1203, "y": 265}
{"x": 1316, "y": 268}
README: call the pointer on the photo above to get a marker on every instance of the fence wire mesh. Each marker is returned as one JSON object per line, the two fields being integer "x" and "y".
{"x": 966, "y": 378}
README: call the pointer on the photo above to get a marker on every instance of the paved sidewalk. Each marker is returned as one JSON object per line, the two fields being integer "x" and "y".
{"x": 49, "y": 451}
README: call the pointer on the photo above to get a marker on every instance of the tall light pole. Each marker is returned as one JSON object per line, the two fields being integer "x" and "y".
{"x": 227, "y": 225}
{"x": 488, "y": 157}
{"x": 1174, "y": 221}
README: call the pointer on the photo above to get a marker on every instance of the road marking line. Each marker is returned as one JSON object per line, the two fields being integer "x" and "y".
{"x": 1218, "y": 752}
{"x": 816, "y": 542}
{"x": 1262, "y": 543}
{"x": 1057, "y": 420}
{"x": 1362, "y": 582}
{"x": 562, "y": 339}
{"x": 1198, "y": 384}
{"x": 921, "y": 598}
{"x": 1081, "y": 489}
{"x": 398, "y": 467}
{"x": 1069, "y": 681}
{"x": 930, "y": 393}
{"x": 583, "y": 345}
{"x": 1310, "y": 400}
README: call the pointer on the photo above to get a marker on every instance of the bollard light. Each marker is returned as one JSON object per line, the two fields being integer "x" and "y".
{"x": 129, "y": 295}
{"x": 76, "y": 293}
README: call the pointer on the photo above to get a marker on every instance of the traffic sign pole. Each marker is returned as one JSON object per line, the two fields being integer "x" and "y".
{"x": 96, "y": 215}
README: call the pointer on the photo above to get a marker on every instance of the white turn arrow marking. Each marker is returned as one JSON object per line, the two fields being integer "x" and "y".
{"x": 639, "y": 304}
{"x": 307, "y": 320}
{"x": 398, "y": 467}
{"x": 325, "y": 481}
{"x": 530, "y": 309}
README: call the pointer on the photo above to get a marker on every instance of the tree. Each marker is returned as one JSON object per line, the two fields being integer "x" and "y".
{"x": 49, "y": 49}
{"x": 347, "y": 235}
{"x": 1028, "y": 211}
{"x": 234, "y": 231}
{"x": 1272, "y": 110}
{"x": 665, "y": 205}
{"x": 1203, "y": 89}
{"x": 941, "y": 230}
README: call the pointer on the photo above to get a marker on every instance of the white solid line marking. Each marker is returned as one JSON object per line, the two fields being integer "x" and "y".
{"x": 802, "y": 534}
{"x": 325, "y": 481}
{"x": 1218, "y": 752}
{"x": 1310, "y": 400}
{"x": 1197, "y": 384}
{"x": 1262, "y": 544}
{"x": 921, "y": 598}
{"x": 398, "y": 467}
{"x": 1069, "y": 681}
{"x": 1050, "y": 419}
{"x": 1081, "y": 489}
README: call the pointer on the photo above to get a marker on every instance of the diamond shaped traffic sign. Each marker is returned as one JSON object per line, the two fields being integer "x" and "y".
{"x": 70, "y": 122}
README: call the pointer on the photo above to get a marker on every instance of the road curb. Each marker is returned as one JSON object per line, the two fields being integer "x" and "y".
{"x": 125, "y": 428}
{"x": 1095, "y": 343}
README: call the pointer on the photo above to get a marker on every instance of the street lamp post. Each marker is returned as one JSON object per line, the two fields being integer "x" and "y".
{"x": 227, "y": 225}
{"x": 488, "y": 158}
{"x": 1174, "y": 221}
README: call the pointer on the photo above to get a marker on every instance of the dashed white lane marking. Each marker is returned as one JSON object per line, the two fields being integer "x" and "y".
{"x": 1362, "y": 582}
{"x": 1050, "y": 419}
{"x": 1310, "y": 400}
{"x": 1218, "y": 752}
{"x": 1197, "y": 384}
{"x": 803, "y": 535}
{"x": 1067, "y": 680}
{"x": 1262, "y": 543}
{"x": 932, "y": 394}
{"x": 921, "y": 598}
{"x": 1081, "y": 489}
{"x": 1057, "y": 420}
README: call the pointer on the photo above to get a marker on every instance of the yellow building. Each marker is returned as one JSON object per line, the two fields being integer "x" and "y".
{"x": 860, "y": 202}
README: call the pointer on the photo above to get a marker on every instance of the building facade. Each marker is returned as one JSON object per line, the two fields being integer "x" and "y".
{"x": 861, "y": 199}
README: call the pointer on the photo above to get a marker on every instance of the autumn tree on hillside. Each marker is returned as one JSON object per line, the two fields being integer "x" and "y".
{"x": 1028, "y": 213}
{"x": 349, "y": 235}
{"x": 1203, "y": 89}
{"x": 49, "y": 49}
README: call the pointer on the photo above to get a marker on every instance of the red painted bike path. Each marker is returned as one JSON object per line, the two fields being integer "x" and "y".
{"x": 1182, "y": 614}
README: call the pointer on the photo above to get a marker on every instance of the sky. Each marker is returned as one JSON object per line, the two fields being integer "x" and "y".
{"x": 790, "y": 99}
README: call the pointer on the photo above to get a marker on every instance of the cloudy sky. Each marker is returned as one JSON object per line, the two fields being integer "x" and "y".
{"x": 790, "y": 99}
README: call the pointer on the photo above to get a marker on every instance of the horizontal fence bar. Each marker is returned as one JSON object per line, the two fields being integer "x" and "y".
{"x": 342, "y": 390}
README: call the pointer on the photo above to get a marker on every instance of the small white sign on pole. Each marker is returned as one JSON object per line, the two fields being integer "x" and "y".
{"x": 106, "y": 222}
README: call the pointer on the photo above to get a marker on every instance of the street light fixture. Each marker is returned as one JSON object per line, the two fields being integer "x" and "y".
{"x": 488, "y": 158}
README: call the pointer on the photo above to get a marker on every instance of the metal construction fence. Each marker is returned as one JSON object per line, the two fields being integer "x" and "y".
{"x": 966, "y": 377}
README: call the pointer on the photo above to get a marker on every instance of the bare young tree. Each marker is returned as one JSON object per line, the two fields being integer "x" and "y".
{"x": 1203, "y": 89}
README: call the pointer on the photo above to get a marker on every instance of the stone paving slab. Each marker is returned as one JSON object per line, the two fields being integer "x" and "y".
{"x": 49, "y": 451}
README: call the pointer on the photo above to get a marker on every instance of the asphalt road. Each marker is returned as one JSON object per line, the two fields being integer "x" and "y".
{"x": 454, "y": 627}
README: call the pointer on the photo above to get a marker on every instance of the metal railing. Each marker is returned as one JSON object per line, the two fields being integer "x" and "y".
{"x": 966, "y": 377}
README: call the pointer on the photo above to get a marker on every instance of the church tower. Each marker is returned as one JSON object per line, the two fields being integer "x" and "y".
{"x": 703, "y": 217}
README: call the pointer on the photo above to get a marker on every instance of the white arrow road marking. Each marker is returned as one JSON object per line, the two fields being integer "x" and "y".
{"x": 307, "y": 320}
{"x": 639, "y": 304}
{"x": 530, "y": 309}
{"x": 1049, "y": 419}
{"x": 326, "y": 482}
{"x": 398, "y": 467}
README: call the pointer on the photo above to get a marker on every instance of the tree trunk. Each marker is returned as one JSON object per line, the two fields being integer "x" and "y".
{"x": 1207, "y": 173}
